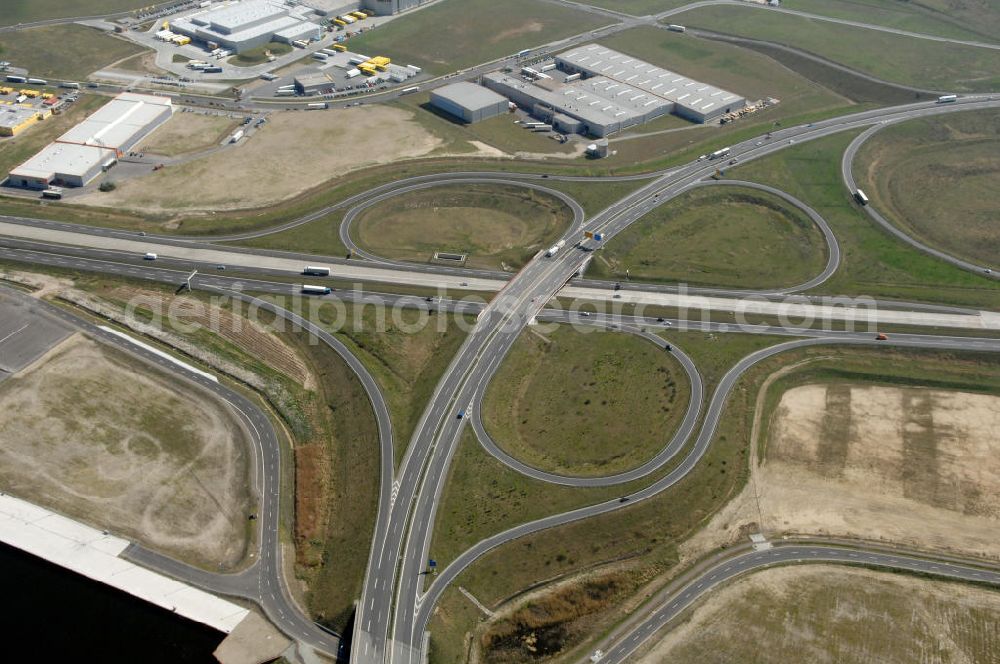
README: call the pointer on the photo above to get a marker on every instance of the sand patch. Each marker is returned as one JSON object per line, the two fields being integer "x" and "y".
{"x": 103, "y": 438}
{"x": 294, "y": 152}
{"x": 913, "y": 466}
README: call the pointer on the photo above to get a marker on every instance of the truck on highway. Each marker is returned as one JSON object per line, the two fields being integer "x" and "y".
{"x": 70, "y": 84}
{"x": 410, "y": 90}
{"x": 316, "y": 290}
{"x": 554, "y": 249}
{"x": 38, "y": 81}
{"x": 12, "y": 78}
{"x": 718, "y": 154}
{"x": 316, "y": 271}
{"x": 317, "y": 106}
{"x": 673, "y": 27}
{"x": 860, "y": 197}
{"x": 944, "y": 99}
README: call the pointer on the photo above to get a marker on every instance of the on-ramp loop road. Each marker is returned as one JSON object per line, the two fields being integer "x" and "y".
{"x": 673, "y": 446}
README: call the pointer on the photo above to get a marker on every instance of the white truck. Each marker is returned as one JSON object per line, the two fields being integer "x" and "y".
{"x": 316, "y": 271}
{"x": 315, "y": 290}
{"x": 150, "y": 256}
{"x": 554, "y": 249}
{"x": 719, "y": 153}
{"x": 944, "y": 99}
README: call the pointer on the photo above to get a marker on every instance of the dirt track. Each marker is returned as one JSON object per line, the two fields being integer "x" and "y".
{"x": 94, "y": 434}
{"x": 913, "y": 466}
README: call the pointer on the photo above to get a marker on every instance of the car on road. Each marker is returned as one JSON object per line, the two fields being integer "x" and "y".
{"x": 668, "y": 348}
{"x": 988, "y": 271}
{"x": 461, "y": 414}
{"x": 584, "y": 313}
{"x": 881, "y": 337}
{"x": 220, "y": 267}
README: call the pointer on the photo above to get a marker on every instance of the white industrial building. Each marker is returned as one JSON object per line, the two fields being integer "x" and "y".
{"x": 468, "y": 102}
{"x": 239, "y": 26}
{"x": 95, "y": 144}
{"x": 691, "y": 99}
{"x": 604, "y": 92}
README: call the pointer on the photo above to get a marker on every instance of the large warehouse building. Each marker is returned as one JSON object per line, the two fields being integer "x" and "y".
{"x": 468, "y": 102}
{"x": 238, "y": 26}
{"x": 691, "y": 99}
{"x": 387, "y": 7}
{"x": 94, "y": 145}
{"x": 603, "y": 92}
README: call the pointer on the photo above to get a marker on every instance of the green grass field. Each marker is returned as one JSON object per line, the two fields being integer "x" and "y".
{"x": 838, "y": 614}
{"x": 720, "y": 237}
{"x": 406, "y": 351}
{"x": 643, "y": 538}
{"x": 496, "y": 226}
{"x": 909, "y": 61}
{"x": 638, "y": 7}
{"x": 939, "y": 180}
{"x": 26, "y": 11}
{"x": 873, "y": 263}
{"x": 913, "y": 16}
{"x": 454, "y": 35}
{"x": 64, "y": 51}
{"x": 585, "y": 402}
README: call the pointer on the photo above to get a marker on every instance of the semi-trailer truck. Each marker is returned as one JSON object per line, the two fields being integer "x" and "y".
{"x": 316, "y": 271}
{"x": 943, "y": 99}
{"x": 315, "y": 290}
{"x": 70, "y": 84}
{"x": 719, "y": 153}
{"x": 316, "y": 106}
{"x": 554, "y": 249}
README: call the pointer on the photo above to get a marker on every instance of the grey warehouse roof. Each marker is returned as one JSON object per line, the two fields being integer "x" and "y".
{"x": 598, "y": 60}
{"x": 469, "y": 95}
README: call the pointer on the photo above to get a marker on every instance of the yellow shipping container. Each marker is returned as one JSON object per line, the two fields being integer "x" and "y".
{"x": 30, "y": 93}
{"x": 339, "y": 47}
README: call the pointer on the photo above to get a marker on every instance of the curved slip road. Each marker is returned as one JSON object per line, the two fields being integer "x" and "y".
{"x": 690, "y": 588}
{"x": 847, "y": 173}
{"x": 673, "y": 446}
{"x": 426, "y": 602}
{"x": 263, "y": 581}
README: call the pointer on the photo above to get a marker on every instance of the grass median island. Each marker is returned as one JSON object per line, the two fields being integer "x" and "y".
{"x": 496, "y": 226}
{"x": 873, "y": 263}
{"x": 938, "y": 179}
{"x": 586, "y": 403}
{"x": 968, "y": 21}
{"x": 452, "y": 35}
{"x": 828, "y": 613}
{"x": 910, "y": 61}
{"x": 17, "y": 149}
{"x": 64, "y": 51}
{"x": 625, "y": 550}
{"x": 639, "y": 547}
{"x": 719, "y": 236}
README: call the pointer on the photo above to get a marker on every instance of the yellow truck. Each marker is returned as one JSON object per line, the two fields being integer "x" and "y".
{"x": 339, "y": 47}
{"x": 367, "y": 70}
{"x": 340, "y": 22}
{"x": 359, "y": 15}
{"x": 380, "y": 61}
{"x": 30, "y": 93}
